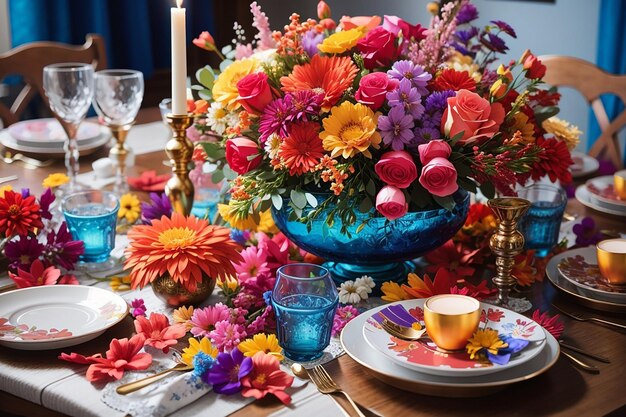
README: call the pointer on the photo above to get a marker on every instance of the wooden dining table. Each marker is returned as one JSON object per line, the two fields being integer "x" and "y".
{"x": 563, "y": 390}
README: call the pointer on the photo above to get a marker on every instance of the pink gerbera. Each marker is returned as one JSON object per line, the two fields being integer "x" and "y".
{"x": 38, "y": 275}
{"x": 254, "y": 263}
{"x": 158, "y": 332}
{"x": 203, "y": 320}
{"x": 227, "y": 335}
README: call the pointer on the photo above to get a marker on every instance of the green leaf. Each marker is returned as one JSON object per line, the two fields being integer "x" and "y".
{"x": 206, "y": 76}
{"x": 265, "y": 175}
{"x": 265, "y": 205}
{"x": 544, "y": 113}
{"x": 488, "y": 189}
{"x": 277, "y": 201}
{"x": 227, "y": 48}
{"x": 361, "y": 226}
{"x": 224, "y": 64}
{"x": 467, "y": 184}
{"x": 366, "y": 205}
{"x": 229, "y": 174}
{"x": 217, "y": 176}
{"x": 311, "y": 199}
{"x": 205, "y": 94}
{"x": 454, "y": 139}
{"x": 446, "y": 202}
{"x": 214, "y": 150}
{"x": 371, "y": 187}
{"x": 298, "y": 199}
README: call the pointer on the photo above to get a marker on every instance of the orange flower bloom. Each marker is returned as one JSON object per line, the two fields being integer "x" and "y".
{"x": 302, "y": 150}
{"x": 18, "y": 215}
{"x": 423, "y": 288}
{"x": 186, "y": 248}
{"x": 328, "y": 75}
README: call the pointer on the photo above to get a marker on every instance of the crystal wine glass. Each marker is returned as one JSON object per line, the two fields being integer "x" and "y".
{"x": 69, "y": 89}
{"x": 118, "y": 96}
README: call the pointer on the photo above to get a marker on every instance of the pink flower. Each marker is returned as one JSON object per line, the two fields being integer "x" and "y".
{"x": 266, "y": 378}
{"x": 378, "y": 48}
{"x": 373, "y": 89}
{"x": 439, "y": 177}
{"x": 205, "y": 41}
{"x": 254, "y": 263}
{"x": 369, "y": 22}
{"x": 396, "y": 168}
{"x": 396, "y": 26}
{"x": 68, "y": 279}
{"x": 203, "y": 320}
{"x": 158, "y": 332}
{"x": 343, "y": 315}
{"x": 473, "y": 115}
{"x": 391, "y": 203}
{"x": 552, "y": 324}
{"x": 254, "y": 92}
{"x": 240, "y": 155}
{"x": 138, "y": 307}
{"x": 434, "y": 149}
{"x": 323, "y": 10}
{"x": 276, "y": 249}
{"x": 37, "y": 276}
{"x": 533, "y": 66}
{"x": 226, "y": 335}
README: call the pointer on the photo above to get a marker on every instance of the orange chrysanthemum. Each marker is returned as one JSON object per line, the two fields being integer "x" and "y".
{"x": 186, "y": 248}
{"x": 302, "y": 150}
{"x": 328, "y": 75}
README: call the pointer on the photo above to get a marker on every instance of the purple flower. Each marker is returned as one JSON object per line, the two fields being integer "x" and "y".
{"x": 310, "y": 40}
{"x": 44, "y": 203}
{"x": 303, "y": 104}
{"x": 462, "y": 50}
{"x": 464, "y": 36}
{"x": 494, "y": 42}
{"x": 395, "y": 128}
{"x": 267, "y": 296}
{"x": 425, "y": 135}
{"x": 408, "y": 98}
{"x": 137, "y": 307}
{"x": 61, "y": 250}
{"x": 586, "y": 234}
{"x": 343, "y": 315}
{"x": 227, "y": 370}
{"x": 414, "y": 73}
{"x": 274, "y": 118}
{"x": 467, "y": 13}
{"x": 438, "y": 101}
{"x": 25, "y": 192}
{"x": 23, "y": 252}
{"x": 240, "y": 236}
{"x": 159, "y": 206}
{"x": 505, "y": 27}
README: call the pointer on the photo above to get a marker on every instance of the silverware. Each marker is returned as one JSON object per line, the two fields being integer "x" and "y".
{"x": 583, "y": 352}
{"x": 580, "y": 364}
{"x": 399, "y": 331}
{"x": 326, "y": 385}
{"x": 581, "y": 317}
{"x": 144, "y": 382}
{"x": 26, "y": 160}
{"x": 8, "y": 179}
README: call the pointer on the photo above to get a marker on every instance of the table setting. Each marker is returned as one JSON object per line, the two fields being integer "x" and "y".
{"x": 353, "y": 222}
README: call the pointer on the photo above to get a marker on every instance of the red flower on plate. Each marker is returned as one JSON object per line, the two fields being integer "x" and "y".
{"x": 158, "y": 332}
{"x": 149, "y": 181}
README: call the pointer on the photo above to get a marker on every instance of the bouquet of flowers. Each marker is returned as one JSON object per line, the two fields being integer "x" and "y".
{"x": 378, "y": 113}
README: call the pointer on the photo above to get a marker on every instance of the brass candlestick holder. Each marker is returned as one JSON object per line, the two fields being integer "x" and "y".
{"x": 179, "y": 149}
{"x": 118, "y": 153}
{"x": 506, "y": 244}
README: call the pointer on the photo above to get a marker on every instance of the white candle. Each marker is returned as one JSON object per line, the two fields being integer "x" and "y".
{"x": 179, "y": 61}
{"x": 453, "y": 304}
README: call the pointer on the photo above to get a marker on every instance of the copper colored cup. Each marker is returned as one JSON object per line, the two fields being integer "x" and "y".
{"x": 619, "y": 181}
{"x": 612, "y": 261}
{"x": 451, "y": 319}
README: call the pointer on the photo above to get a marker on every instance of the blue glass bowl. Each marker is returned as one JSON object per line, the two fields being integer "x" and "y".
{"x": 381, "y": 247}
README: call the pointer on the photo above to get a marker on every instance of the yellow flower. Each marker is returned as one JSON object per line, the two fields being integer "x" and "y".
{"x": 527, "y": 130}
{"x": 5, "y": 188}
{"x": 266, "y": 223}
{"x": 230, "y": 214}
{"x": 225, "y": 88}
{"x": 229, "y": 285}
{"x": 130, "y": 208}
{"x": 340, "y": 42}
{"x": 349, "y": 130}
{"x": 54, "y": 180}
{"x": 562, "y": 130}
{"x": 183, "y": 315}
{"x": 120, "y": 283}
{"x": 487, "y": 339}
{"x": 196, "y": 346}
{"x": 393, "y": 292}
{"x": 262, "y": 343}
{"x": 460, "y": 62}
{"x": 433, "y": 8}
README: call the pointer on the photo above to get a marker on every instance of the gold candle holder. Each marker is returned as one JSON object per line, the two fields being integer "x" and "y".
{"x": 506, "y": 244}
{"x": 179, "y": 149}
{"x": 118, "y": 153}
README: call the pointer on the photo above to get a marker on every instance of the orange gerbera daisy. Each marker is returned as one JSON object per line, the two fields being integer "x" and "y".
{"x": 302, "y": 150}
{"x": 186, "y": 248}
{"x": 330, "y": 75}
{"x": 18, "y": 215}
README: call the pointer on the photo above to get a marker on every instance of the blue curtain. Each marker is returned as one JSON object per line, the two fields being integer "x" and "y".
{"x": 137, "y": 32}
{"x": 611, "y": 56}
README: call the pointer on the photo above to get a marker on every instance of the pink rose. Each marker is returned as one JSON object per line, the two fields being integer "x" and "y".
{"x": 373, "y": 89}
{"x": 396, "y": 168}
{"x": 378, "y": 48}
{"x": 396, "y": 25}
{"x": 254, "y": 92}
{"x": 473, "y": 115}
{"x": 391, "y": 203}
{"x": 369, "y": 22}
{"x": 434, "y": 149}
{"x": 439, "y": 177}
{"x": 238, "y": 153}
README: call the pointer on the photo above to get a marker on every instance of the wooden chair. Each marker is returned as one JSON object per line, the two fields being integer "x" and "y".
{"x": 592, "y": 82}
{"x": 29, "y": 60}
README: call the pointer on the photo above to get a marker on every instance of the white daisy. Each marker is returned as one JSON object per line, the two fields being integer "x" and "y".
{"x": 349, "y": 293}
{"x": 365, "y": 281}
{"x": 217, "y": 118}
{"x": 272, "y": 145}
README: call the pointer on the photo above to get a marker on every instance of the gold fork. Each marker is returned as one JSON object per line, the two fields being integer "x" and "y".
{"x": 580, "y": 317}
{"x": 402, "y": 332}
{"x": 144, "y": 382}
{"x": 326, "y": 385}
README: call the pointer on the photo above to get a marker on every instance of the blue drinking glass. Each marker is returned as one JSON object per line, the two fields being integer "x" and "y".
{"x": 304, "y": 299}
{"x": 542, "y": 222}
{"x": 91, "y": 216}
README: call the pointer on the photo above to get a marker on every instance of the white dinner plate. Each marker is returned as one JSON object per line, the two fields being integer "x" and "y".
{"x": 10, "y": 142}
{"x": 583, "y": 165}
{"x": 48, "y": 133}
{"x": 57, "y": 316}
{"x": 424, "y": 356}
{"x": 391, "y": 373}
{"x": 584, "y": 196}
{"x": 601, "y": 189}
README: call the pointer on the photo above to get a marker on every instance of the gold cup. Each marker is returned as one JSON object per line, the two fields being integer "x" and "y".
{"x": 451, "y": 319}
{"x": 612, "y": 261}
{"x": 619, "y": 181}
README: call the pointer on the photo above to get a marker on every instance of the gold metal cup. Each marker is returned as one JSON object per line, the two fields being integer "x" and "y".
{"x": 612, "y": 261}
{"x": 619, "y": 181}
{"x": 451, "y": 319}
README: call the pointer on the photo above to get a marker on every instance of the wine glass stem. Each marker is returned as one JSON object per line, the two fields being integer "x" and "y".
{"x": 119, "y": 152}
{"x": 71, "y": 153}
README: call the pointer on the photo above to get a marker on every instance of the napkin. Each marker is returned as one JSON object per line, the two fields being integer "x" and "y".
{"x": 149, "y": 181}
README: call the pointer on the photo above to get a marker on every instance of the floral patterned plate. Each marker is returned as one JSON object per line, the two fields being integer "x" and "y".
{"x": 583, "y": 165}
{"x": 425, "y": 357}
{"x": 580, "y": 267}
{"x": 602, "y": 189}
{"x": 57, "y": 316}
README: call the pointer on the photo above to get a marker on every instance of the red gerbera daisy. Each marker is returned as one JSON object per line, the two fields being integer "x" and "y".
{"x": 554, "y": 161}
{"x": 302, "y": 150}
{"x": 18, "y": 215}
{"x": 450, "y": 79}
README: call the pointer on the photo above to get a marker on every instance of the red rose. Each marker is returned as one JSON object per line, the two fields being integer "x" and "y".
{"x": 391, "y": 203}
{"x": 439, "y": 177}
{"x": 378, "y": 48}
{"x": 238, "y": 154}
{"x": 396, "y": 168}
{"x": 473, "y": 115}
{"x": 254, "y": 92}
{"x": 373, "y": 89}
{"x": 535, "y": 69}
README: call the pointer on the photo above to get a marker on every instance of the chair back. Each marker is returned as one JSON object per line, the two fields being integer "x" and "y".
{"x": 592, "y": 82}
{"x": 29, "y": 60}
